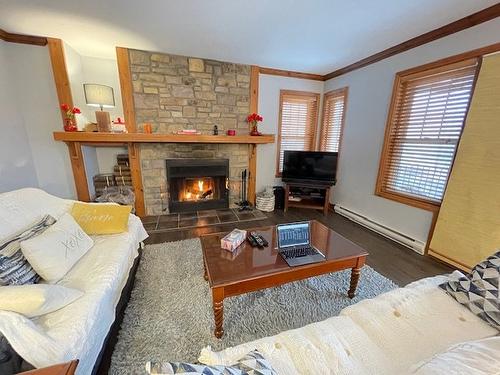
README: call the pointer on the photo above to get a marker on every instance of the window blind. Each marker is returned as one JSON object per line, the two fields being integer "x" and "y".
{"x": 333, "y": 120}
{"x": 297, "y": 123}
{"x": 428, "y": 113}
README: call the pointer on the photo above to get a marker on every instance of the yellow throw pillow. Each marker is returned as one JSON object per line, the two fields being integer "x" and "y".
{"x": 98, "y": 218}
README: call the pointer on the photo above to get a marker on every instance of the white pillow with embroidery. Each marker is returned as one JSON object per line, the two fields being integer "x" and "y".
{"x": 54, "y": 252}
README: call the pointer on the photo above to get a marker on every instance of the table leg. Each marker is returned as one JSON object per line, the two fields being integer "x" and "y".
{"x": 218, "y": 303}
{"x": 205, "y": 274}
{"x": 354, "y": 281}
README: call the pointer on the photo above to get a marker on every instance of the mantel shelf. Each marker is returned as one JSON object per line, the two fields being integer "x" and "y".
{"x": 115, "y": 138}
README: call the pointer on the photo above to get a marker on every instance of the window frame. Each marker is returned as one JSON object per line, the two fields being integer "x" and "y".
{"x": 344, "y": 91}
{"x": 305, "y": 94}
{"x": 400, "y": 77}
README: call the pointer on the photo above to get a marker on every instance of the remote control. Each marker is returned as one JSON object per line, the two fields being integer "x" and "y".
{"x": 257, "y": 239}
{"x": 252, "y": 240}
{"x": 264, "y": 241}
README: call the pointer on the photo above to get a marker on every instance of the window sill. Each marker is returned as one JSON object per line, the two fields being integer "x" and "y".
{"x": 410, "y": 201}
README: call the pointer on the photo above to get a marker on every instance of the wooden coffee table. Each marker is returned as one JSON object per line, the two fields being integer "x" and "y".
{"x": 249, "y": 268}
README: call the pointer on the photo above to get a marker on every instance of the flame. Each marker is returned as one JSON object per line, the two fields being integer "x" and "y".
{"x": 188, "y": 195}
{"x": 200, "y": 185}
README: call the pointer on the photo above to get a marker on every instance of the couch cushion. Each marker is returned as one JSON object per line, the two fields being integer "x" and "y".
{"x": 14, "y": 267}
{"x": 479, "y": 291}
{"x": 54, "y": 252}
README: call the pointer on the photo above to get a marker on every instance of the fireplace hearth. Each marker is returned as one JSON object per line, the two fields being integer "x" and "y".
{"x": 197, "y": 184}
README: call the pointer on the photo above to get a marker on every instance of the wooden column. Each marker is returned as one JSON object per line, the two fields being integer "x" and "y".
{"x": 135, "y": 171}
{"x": 252, "y": 148}
{"x": 125, "y": 76}
{"x": 58, "y": 61}
{"x": 78, "y": 166}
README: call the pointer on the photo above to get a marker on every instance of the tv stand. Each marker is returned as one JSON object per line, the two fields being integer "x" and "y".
{"x": 307, "y": 195}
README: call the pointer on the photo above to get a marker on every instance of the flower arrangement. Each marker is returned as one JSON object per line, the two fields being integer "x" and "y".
{"x": 253, "y": 119}
{"x": 69, "y": 117}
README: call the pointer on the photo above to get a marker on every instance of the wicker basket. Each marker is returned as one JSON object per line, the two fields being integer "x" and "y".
{"x": 264, "y": 202}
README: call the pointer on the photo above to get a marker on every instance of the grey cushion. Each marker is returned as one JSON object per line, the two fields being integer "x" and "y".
{"x": 14, "y": 268}
{"x": 253, "y": 363}
{"x": 479, "y": 290}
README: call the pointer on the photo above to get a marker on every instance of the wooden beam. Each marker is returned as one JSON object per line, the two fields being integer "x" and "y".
{"x": 474, "y": 19}
{"x": 291, "y": 74}
{"x": 125, "y": 76}
{"x": 135, "y": 171}
{"x": 23, "y": 39}
{"x": 78, "y": 166}
{"x": 60, "y": 72}
{"x": 252, "y": 149}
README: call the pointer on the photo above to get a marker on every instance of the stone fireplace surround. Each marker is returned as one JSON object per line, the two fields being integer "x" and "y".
{"x": 177, "y": 92}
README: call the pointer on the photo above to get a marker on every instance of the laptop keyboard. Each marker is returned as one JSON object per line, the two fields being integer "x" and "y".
{"x": 298, "y": 252}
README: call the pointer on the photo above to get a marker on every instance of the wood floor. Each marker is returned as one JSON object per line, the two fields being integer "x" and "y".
{"x": 392, "y": 260}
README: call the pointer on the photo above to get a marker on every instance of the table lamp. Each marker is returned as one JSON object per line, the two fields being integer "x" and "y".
{"x": 100, "y": 96}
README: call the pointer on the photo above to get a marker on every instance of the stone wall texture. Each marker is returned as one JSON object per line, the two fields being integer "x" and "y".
{"x": 177, "y": 92}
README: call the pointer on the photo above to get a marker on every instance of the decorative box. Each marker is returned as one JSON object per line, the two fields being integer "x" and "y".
{"x": 234, "y": 239}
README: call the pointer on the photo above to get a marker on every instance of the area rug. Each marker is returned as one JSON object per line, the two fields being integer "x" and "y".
{"x": 169, "y": 316}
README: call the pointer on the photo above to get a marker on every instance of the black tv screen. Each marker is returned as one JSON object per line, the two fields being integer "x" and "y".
{"x": 309, "y": 166}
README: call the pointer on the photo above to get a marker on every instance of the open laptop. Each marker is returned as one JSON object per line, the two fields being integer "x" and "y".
{"x": 294, "y": 244}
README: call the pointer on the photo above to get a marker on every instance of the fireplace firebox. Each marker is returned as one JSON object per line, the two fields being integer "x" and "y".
{"x": 197, "y": 184}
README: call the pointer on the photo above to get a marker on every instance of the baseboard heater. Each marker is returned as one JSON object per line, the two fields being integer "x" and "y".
{"x": 398, "y": 237}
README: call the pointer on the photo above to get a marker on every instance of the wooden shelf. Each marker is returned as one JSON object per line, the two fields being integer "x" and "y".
{"x": 116, "y": 138}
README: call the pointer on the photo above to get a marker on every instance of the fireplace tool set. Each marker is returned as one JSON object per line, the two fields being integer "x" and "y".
{"x": 244, "y": 204}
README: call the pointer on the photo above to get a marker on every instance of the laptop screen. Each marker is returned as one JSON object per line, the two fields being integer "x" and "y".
{"x": 293, "y": 234}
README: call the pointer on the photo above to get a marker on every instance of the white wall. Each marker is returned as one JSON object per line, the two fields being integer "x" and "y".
{"x": 370, "y": 91}
{"x": 17, "y": 169}
{"x": 269, "y": 98}
{"x": 31, "y": 87}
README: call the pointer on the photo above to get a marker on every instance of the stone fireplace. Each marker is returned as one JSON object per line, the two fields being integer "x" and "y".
{"x": 197, "y": 184}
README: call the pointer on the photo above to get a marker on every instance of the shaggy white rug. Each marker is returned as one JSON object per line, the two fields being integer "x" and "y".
{"x": 169, "y": 316}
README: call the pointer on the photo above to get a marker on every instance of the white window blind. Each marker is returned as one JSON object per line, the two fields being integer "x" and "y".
{"x": 424, "y": 128}
{"x": 333, "y": 120}
{"x": 297, "y": 123}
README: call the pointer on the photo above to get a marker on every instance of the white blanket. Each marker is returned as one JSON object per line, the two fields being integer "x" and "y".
{"x": 79, "y": 329}
{"x": 384, "y": 335}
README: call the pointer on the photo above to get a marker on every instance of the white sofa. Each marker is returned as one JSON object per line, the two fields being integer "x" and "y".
{"x": 79, "y": 329}
{"x": 399, "y": 332}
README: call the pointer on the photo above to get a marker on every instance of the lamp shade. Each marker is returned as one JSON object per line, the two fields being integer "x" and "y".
{"x": 99, "y": 95}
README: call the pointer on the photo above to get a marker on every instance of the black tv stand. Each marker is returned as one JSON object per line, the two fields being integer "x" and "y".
{"x": 307, "y": 195}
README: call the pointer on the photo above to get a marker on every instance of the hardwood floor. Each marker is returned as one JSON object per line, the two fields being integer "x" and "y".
{"x": 392, "y": 260}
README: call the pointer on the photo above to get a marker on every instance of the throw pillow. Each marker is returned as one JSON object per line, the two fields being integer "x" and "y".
{"x": 54, "y": 252}
{"x": 99, "y": 218}
{"x": 36, "y": 300}
{"x": 14, "y": 268}
{"x": 479, "y": 290}
{"x": 252, "y": 363}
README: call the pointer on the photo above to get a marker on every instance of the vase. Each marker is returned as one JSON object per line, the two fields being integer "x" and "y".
{"x": 254, "y": 130}
{"x": 70, "y": 125}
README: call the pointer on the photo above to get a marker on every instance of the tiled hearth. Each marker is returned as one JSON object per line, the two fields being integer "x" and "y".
{"x": 161, "y": 223}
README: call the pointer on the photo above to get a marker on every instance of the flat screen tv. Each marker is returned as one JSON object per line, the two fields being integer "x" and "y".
{"x": 309, "y": 166}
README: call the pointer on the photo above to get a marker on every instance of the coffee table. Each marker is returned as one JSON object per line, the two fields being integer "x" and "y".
{"x": 249, "y": 268}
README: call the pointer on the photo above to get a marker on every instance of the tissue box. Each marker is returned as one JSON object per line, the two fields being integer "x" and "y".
{"x": 234, "y": 239}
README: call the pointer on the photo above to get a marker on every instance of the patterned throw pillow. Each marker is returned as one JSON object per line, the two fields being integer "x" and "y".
{"x": 14, "y": 268}
{"x": 253, "y": 363}
{"x": 479, "y": 290}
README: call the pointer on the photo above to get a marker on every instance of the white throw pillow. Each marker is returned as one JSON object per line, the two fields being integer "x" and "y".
{"x": 36, "y": 299}
{"x": 54, "y": 252}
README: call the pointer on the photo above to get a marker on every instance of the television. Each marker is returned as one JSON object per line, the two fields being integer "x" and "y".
{"x": 310, "y": 166}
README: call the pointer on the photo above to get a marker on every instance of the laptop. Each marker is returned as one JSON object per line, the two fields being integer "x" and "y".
{"x": 294, "y": 244}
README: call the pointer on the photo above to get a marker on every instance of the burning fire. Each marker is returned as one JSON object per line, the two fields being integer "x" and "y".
{"x": 197, "y": 189}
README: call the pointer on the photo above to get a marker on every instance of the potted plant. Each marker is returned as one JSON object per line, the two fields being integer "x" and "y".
{"x": 69, "y": 117}
{"x": 253, "y": 119}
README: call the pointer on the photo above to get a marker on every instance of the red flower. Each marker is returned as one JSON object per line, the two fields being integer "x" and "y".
{"x": 65, "y": 107}
{"x": 254, "y": 117}
{"x": 76, "y": 110}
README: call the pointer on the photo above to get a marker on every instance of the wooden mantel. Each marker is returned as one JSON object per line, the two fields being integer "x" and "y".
{"x": 113, "y": 138}
{"x": 75, "y": 140}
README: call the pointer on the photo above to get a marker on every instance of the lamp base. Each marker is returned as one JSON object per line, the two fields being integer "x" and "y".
{"x": 103, "y": 121}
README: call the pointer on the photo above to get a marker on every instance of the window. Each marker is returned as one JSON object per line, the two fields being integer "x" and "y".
{"x": 425, "y": 122}
{"x": 297, "y": 123}
{"x": 333, "y": 120}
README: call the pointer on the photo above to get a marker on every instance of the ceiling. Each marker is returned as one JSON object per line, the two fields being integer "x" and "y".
{"x": 315, "y": 36}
